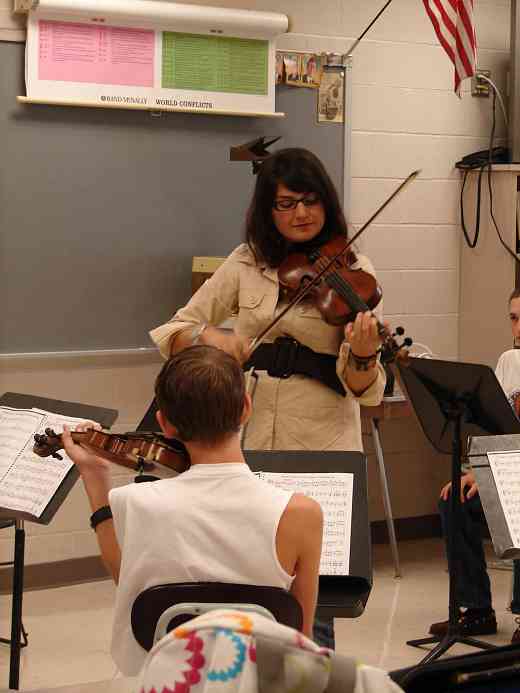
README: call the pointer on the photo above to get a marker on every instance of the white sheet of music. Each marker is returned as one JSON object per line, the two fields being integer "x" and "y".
{"x": 506, "y": 473}
{"x": 333, "y": 491}
{"x": 28, "y": 482}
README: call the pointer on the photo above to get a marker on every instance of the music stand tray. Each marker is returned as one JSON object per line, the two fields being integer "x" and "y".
{"x": 452, "y": 399}
{"x": 340, "y": 596}
{"x": 478, "y": 447}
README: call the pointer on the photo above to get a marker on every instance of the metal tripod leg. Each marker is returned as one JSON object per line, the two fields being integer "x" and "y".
{"x": 374, "y": 426}
{"x": 16, "y": 617}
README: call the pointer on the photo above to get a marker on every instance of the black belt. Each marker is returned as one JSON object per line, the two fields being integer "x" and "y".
{"x": 286, "y": 357}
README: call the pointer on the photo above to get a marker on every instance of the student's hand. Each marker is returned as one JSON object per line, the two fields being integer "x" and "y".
{"x": 233, "y": 344}
{"x": 87, "y": 425}
{"x": 466, "y": 481}
{"x": 87, "y": 462}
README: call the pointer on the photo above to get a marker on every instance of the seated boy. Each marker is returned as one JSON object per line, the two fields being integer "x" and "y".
{"x": 214, "y": 522}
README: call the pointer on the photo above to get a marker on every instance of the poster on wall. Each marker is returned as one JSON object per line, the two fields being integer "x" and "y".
{"x": 331, "y": 105}
{"x": 148, "y": 54}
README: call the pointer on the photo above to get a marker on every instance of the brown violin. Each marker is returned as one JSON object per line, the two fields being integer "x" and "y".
{"x": 137, "y": 451}
{"x": 515, "y": 398}
{"x": 342, "y": 292}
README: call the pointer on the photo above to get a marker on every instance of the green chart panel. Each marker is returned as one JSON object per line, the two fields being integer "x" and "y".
{"x": 214, "y": 63}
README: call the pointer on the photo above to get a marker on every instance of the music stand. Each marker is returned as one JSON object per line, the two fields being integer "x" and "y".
{"x": 478, "y": 449}
{"x": 451, "y": 399}
{"x": 106, "y": 418}
{"x": 340, "y": 596}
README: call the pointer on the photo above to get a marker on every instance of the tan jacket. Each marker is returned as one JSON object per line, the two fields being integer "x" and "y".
{"x": 294, "y": 413}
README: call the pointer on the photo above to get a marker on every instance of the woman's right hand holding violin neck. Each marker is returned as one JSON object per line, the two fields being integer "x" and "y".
{"x": 227, "y": 340}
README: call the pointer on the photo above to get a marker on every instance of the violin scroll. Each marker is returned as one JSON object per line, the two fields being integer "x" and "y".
{"x": 48, "y": 444}
{"x": 391, "y": 350}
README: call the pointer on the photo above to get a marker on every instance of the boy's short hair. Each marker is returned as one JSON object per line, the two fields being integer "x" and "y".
{"x": 201, "y": 392}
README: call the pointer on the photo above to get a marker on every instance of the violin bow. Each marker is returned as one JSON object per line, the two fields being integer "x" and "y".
{"x": 300, "y": 295}
{"x": 367, "y": 29}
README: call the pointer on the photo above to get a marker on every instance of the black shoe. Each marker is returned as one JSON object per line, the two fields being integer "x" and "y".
{"x": 515, "y": 640}
{"x": 469, "y": 623}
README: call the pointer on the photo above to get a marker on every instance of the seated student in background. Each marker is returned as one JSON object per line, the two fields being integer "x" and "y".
{"x": 215, "y": 522}
{"x": 473, "y": 586}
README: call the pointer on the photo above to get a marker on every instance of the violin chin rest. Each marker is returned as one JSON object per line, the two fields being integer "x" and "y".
{"x": 145, "y": 477}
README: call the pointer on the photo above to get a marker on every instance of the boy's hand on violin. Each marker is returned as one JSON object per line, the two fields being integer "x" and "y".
{"x": 233, "y": 344}
{"x": 362, "y": 335}
{"x": 87, "y": 462}
{"x": 87, "y": 425}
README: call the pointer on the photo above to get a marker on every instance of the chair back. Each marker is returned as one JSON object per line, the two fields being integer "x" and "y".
{"x": 234, "y": 651}
{"x": 159, "y": 609}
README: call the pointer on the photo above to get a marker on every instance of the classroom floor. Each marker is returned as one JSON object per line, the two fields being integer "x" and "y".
{"x": 69, "y": 627}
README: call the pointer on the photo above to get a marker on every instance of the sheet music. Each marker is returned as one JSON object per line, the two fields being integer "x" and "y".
{"x": 333, "y": 491}
{"x": 506, "y": 473}
{"x": 28, "y": 482}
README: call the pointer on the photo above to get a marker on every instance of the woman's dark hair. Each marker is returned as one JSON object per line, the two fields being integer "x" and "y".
{"x": 515, "y": 294}
{"x": 302, "y": 172}
{"x": 201, "y": 391}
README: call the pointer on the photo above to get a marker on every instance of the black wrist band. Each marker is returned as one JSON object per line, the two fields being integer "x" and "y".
{"x": 100, "y": 515}
{"x": 361, "y": 363}
{"x": 363, "y": 358}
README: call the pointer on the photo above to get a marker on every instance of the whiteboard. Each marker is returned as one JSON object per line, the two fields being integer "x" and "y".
{"x": 101, "y": 211}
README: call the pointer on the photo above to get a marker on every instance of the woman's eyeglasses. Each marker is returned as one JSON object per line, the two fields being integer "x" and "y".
{"x": 284, "y": 204}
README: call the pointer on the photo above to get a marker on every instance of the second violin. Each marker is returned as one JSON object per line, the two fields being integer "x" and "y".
{"x": 137, "y": 451}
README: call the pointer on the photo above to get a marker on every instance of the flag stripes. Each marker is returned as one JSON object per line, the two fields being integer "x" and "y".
{"x": 453, "y": 23}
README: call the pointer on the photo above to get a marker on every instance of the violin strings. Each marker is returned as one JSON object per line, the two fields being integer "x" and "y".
{"x": 347, "y": 292}
{"x": 344, "y": 288}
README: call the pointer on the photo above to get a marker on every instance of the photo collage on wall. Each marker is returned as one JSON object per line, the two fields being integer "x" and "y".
{"x": 299, "y": 69}
{"x": 310, "y": 70}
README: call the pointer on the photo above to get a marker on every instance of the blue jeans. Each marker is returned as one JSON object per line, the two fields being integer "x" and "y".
{"x": 472, "y": 590}
{"x": 323, "y": 630}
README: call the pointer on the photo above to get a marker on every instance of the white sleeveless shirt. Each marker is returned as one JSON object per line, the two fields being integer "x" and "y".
{"x": 508, "y": 373}
{"x": 212, "y": 523}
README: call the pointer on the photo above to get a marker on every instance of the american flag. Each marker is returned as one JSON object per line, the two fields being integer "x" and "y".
{"x": 453, "y": 24}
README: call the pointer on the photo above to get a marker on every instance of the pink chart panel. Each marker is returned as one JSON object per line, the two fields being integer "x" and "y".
{"x": 71, "y": 52}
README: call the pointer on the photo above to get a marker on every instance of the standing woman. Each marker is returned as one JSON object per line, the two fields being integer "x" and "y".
{"x": 315, "y": 406}
{"x": 312, "y": 376}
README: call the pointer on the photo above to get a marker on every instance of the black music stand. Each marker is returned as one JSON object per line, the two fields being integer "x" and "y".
{"x": 106, "y": 418}
{"x": 149, "y": 421}
{"x": 340, "y": 596}
{"x": 450, "y": 400}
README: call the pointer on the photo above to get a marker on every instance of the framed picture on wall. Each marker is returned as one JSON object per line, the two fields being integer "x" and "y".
{"x": 292, "y": 63}
{"x": 279, "y": 68}
{"x": 331, "y": 108}
{"x": 311, "y": 70}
